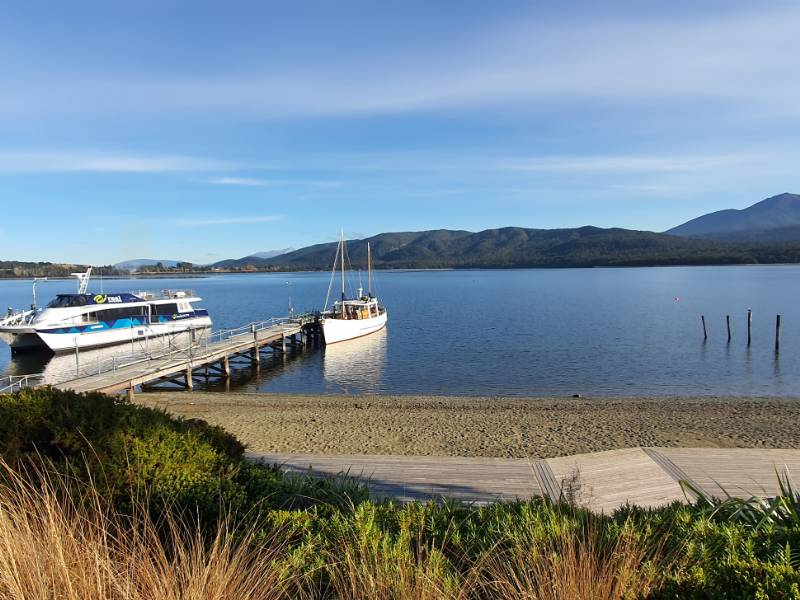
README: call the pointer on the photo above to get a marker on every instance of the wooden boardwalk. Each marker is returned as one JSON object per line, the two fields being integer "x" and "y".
{"x": 601, "y": 481}
{"x": 182, "y": 366}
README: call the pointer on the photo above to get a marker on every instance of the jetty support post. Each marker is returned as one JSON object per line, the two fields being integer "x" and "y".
{"x": 705, "y": 331}
{"x": 256, "y": 354}
{"x": 226, "y": 366}
{"x": 189, "y": 382}
{"x": 749, "y": 325}
{"x": 728, "y": 321}
{"x": 131, "y": 392}
{"x": 777, "y": 334}
{"x": 77, "y": 359}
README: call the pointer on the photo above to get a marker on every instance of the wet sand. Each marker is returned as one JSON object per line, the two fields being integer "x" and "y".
{"x": 491, "y": 427}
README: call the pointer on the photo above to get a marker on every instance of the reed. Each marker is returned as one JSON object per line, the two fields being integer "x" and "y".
{"x": 569, "y": 567}
{"x": 55, "y": 543}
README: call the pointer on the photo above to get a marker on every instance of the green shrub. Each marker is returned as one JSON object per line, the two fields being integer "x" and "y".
{"x": 335, "y": 537}
{"x": 737, "y": 580}
{"x": 130, "y": 450}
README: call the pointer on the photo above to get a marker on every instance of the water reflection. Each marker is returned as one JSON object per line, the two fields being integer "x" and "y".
{"x": 356, "y": 365}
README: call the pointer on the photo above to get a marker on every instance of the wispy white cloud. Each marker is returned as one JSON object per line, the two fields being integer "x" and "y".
{"x": 748, "y": 56}
{"x": 626, "y": 164}
{"x": 241, "y": 181}
{"x": 78, "y": 161}
{"x": 226, "y": 220}
{"x": 273, "y": 182}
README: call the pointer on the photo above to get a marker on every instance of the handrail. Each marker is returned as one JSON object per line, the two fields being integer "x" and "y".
{"x": 12, "y": 383}
{"x": 20, "y": 317}
{"x": 199, "y": 346}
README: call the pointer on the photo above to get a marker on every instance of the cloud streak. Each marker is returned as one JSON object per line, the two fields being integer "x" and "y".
{"x": 628, "y": 164}
{"x": 226, "y": 220}
{"x": 746, "y": 57}
{"x": 239, "y": 181}
{"x": 99, "y": 162}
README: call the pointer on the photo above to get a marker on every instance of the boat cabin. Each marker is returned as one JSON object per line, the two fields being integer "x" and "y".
{"x": 366, "y": 307}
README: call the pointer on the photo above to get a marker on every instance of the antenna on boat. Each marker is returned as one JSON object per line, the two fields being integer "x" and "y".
{"x": 35, "y": 281}
{"x": 83, "y": 280}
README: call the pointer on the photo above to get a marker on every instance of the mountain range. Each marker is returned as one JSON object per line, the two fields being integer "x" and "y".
{"x": 774, "y": 220}
{"x": 766, "y": 232}
{"x": 272, "y": 253}
{"x": 519, "y": 247}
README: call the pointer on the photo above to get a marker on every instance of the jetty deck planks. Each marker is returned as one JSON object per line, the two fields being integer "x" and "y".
{"x": 601, "y": 481}
{"x": 180, "y": 364}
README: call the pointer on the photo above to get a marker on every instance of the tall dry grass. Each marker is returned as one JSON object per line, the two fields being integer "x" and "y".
{"x": 573, "y": 566}
{"x": 55, "y": 543}
{"x": 545, "y": 559}
{"x": 61, "y": 540}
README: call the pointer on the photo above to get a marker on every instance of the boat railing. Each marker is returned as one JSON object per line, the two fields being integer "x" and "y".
{"x": 19, "y": 317}
{"x": 14, "y": 383}
{"x": 164, "y": 294}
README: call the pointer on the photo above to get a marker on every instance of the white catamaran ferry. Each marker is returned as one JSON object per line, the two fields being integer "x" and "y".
{"x": 85, "y": 320}
{"x": 356, "y": 317}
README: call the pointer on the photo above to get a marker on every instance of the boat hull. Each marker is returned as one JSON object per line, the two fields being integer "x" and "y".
{"x": 67, "y": 342}
{"x": 21, "y": 339}
{"x": 341, "y": 330}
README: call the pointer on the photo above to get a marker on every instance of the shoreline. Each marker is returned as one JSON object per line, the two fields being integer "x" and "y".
{"x": 484, "y": 426}
{"x": 207, "y": 274}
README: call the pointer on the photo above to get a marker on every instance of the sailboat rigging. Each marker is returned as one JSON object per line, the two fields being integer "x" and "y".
{"x": 354, "y": 317}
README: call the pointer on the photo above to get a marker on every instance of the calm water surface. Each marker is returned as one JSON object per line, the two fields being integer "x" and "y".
{"x": 511, "y": 333}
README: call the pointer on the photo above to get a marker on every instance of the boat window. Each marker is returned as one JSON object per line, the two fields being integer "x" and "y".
{"x": 113, "y": 314}
{"x": 67, "y": 301}
{"x": 58, "y": 302}
{"x": 165, "y": 309}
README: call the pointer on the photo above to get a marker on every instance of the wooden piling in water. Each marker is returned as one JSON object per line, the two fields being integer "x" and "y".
{"x": 749, "y": 325}
{"x": 728, "y": 320}
{"x": 705, "y": 332}
{"x": 777, "y": 333}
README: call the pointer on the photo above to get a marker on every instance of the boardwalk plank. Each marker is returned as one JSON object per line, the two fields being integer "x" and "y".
{"x": 605, "y": 480}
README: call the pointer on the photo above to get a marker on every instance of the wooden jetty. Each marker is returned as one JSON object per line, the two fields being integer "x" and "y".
{"x": 601, "y": 481}
{"x": 211, "y": 356}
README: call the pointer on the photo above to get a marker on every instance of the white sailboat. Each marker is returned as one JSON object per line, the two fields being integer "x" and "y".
{"x": 354, "y": 317}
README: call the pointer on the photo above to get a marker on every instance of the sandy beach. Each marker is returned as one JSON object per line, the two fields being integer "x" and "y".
{"x": 492, "y": 427}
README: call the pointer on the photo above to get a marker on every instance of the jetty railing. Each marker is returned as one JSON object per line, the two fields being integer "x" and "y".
{"x": 191, "y": 344}
{"x": 13, "y": 383}
{"x": 200, "y": 342}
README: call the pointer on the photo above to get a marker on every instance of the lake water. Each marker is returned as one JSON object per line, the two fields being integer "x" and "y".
{"x": 511, "y": 332}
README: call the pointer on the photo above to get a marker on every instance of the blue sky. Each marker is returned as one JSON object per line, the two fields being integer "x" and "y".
{"x": 201, "y": 131}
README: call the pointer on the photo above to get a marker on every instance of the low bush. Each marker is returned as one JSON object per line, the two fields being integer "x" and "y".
{"x": 129, "y": 451}
{"x": 84, "y": 475}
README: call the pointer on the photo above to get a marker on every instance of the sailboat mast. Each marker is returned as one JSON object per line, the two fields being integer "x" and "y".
{"x": 369, "y": 270}
{"x": 341, "y": 242}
